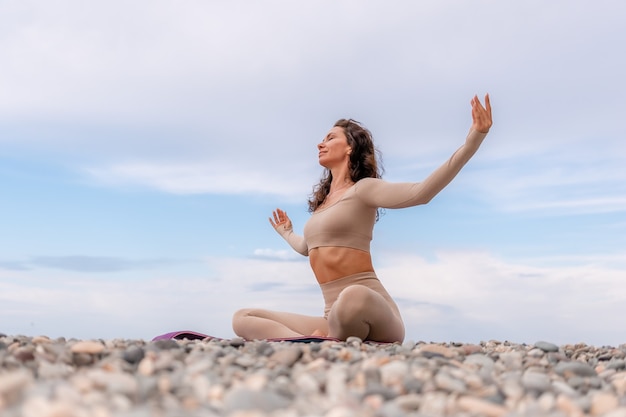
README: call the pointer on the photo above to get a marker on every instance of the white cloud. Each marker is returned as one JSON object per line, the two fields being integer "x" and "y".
{"x": 493, "y": 298}
{"x": 232, "y": 98}
{"x": 581, "y": 206}
{"x": 91, "y": 61}
{"x": 575, "y": 178}
{"x": 83, "y": 263}
{"x": 282, "y": 255}
{"x": 210, "y": 177}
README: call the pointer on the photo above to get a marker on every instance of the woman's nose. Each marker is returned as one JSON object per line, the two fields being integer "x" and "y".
{"x": 320, "y": 145}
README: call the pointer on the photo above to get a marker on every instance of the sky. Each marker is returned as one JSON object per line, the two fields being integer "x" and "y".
{"x": 144, "y": 145}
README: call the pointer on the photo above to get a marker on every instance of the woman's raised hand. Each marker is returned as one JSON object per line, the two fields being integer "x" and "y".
{"x": 481, "y": 116}
{"x": 280, "y": 218}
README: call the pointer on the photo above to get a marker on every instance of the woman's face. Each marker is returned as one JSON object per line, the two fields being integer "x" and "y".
{"x": 334, "y": 149}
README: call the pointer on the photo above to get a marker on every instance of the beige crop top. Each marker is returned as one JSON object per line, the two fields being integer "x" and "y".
{"x": 350, "y": 221}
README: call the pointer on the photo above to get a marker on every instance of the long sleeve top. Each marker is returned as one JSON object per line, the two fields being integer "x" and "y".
{"x": 349, "y": 222}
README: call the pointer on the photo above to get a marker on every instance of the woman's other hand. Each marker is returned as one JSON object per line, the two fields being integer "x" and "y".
{"x": 481, "y": 116}
{"x": 280, "y": 219}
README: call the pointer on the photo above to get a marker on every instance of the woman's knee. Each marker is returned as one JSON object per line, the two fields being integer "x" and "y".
{"x": 240, "y": 318}
{"x": 240, "y": 314}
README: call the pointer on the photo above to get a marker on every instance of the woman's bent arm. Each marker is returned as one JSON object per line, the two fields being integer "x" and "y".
{"x": 282, "y": 224}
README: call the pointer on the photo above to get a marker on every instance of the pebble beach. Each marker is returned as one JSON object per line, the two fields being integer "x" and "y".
{"x": 44, "y": 377}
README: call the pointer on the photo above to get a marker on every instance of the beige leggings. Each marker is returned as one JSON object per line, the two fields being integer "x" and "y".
{"x": 356, "y": 305}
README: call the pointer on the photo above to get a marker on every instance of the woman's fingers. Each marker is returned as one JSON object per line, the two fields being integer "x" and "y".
{"x": 481, "y": 116}
{"x": 279, "y": 217}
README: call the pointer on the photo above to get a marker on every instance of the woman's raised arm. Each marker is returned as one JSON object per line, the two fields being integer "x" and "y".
{"x": 378, "y": 193}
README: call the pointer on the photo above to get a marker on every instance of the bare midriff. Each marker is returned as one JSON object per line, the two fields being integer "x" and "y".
{"x": 333, "y": 262}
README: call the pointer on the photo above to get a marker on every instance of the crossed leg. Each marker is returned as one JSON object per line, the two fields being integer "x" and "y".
{"x": 254, "y": 323}
{"x": 358, "y": 311}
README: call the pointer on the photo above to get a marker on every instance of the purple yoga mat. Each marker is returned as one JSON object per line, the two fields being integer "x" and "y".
{"x": 183, "y": 334}
{"x": 191, "y": 335}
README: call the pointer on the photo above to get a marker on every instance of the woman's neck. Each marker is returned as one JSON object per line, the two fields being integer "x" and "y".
{"x": 341, "y": 179}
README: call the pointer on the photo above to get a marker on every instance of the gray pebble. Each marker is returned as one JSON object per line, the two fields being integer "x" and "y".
{"x": 236, "y": 342}
{"x": 133, "y": 355}
{"x": 511, "y": 360}
{"x": 286, "y": 356}
{"x": 447, "y": 382}
{"x": 618, "y": 364}
{"x": 536, "y": 353}
{"x": 409, "y": 402}
{"x": 584, "y": 403}
{"x": 165, "y": 344}
{"x": 496, "y": 398}
{"x": 536, "y": 381}
{"x": 354, "y": 341}
{"x": 385, "y": 392}
{"x": 547, "y": 346}
{"x": 595, "y": 382}
{"x": 264, "y": 348}
{"x": 49, "y": 370}
{"x": 372, "y": 376}
{"x": 480, "y": 360}
{"x": 246, "y": 361}
{"x": 394, "y": 371}
{"x": 82, "y": 359}
{"x": 40, "y": 376}
{"x": 577, "y": 382}
{"x": 408, "y": 344}
{"x": 391, "y": 409}
{"x": 247, "y": 399}
{"x": 574, "y": 368}
{"x": 307, "y": 384}
{"x": 561, "y": 387}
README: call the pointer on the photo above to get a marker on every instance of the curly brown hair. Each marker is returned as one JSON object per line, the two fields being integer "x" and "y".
{"x": 364, "y": 160}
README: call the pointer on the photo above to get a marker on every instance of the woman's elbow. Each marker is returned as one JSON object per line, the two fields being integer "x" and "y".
{"x": 423, "y": 199}
{"x": 427, "y": 199}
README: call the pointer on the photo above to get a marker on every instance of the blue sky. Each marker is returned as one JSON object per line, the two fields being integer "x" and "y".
{"x": 144, "y": 145}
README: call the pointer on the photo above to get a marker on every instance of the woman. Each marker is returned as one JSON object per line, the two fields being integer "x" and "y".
{"x": 337, "y": 237}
